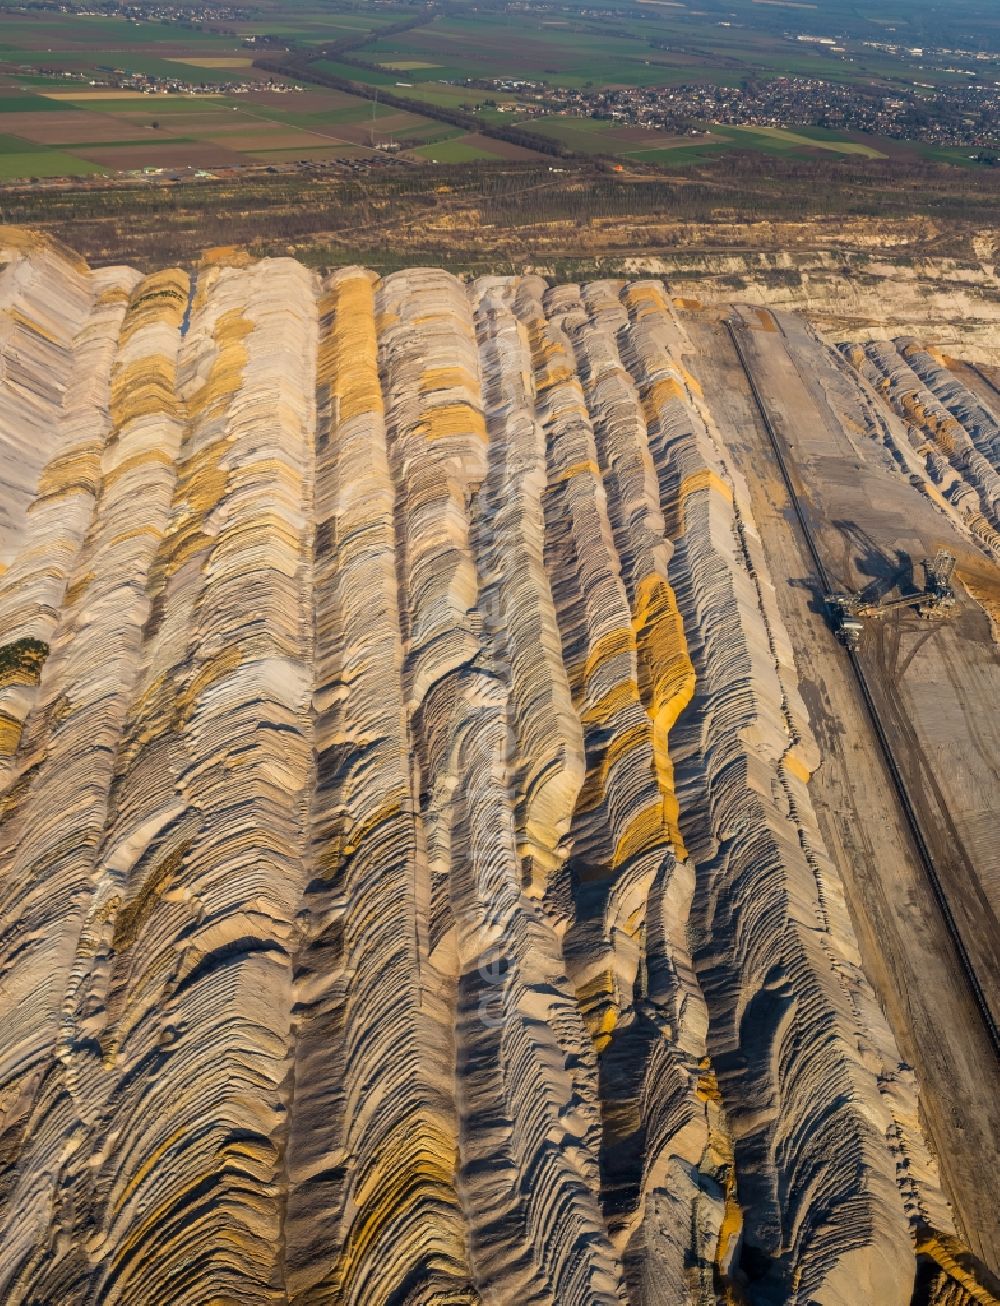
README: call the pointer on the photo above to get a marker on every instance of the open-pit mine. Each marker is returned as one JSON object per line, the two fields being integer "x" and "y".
{"x": 498, "y": 795}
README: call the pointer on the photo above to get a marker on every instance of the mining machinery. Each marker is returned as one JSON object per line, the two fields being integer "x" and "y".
{"x": 936, "y": 599}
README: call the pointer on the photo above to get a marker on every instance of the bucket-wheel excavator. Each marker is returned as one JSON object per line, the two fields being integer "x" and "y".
{"x": 937, "y": 599}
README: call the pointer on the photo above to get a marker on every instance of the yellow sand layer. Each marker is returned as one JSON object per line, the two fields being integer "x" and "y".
{"x": 348, "y": 351}
{"x": 666, "y": 684}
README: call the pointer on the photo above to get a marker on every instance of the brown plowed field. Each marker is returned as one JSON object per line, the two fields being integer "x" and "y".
{"x": 501, "y": 149}
{"x": 194, "y": 154}
{"x": 280, "y": 138}
{"x": 72, "y": 127}
{"x": 361, "y": 132}
{"x": 310, "y": 101}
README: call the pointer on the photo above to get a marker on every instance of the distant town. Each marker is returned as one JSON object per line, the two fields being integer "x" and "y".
{"x": 966, "y": 115}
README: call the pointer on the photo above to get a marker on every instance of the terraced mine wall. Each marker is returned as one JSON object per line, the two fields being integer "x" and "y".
{"x": 411, "y": 890}
{"x": 863, "y": 289}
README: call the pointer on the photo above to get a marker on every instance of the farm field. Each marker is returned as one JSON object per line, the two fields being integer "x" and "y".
{"x": 62, "y": 113}
{"x": 657, "y": 46}
{"x": 523, "y": 47}
{"x": 472, "y": 146}
{"x": 75, "y": 131}
{"x": 601, "y": 137}
{"x": 19, "y": 159}
{"x": 61, "y": 116}
{"x": 781, "y": 140}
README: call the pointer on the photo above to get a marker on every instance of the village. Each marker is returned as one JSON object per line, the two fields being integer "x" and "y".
{"x": 962, "y": 115}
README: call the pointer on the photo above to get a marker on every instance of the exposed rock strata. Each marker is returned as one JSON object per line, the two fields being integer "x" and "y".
{"x": 762, "y": 885}
{"x": 860, "y": 285}
{"x": 952, "y": 430}
{"x": 411, "y": 890}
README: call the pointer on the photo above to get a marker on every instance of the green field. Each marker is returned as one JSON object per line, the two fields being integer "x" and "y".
{"x": 453, "y": 151}
{"x": 26, "y": 104}
{"x": 19, "y": 159}
{"x": 779, "y": 140}
{"x": 681, "y": 155}
{"x": 368, "y": 76}
{"x": 601, "y": 137}
{"x": 583, "y": 135}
